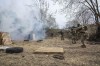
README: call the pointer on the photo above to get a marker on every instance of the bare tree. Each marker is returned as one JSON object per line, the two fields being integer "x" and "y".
{"x": 51, "y": 22}
{"x": 92, "y": 5}
{"x": 72, "y": 23}
{"x": 84, "y": 16}
{"x": 45, "y": 16}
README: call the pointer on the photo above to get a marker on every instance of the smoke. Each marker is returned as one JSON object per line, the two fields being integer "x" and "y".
{"x": 21, "y": 20}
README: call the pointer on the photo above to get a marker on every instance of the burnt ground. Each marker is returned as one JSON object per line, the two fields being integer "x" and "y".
{"x": 74, "y": 55}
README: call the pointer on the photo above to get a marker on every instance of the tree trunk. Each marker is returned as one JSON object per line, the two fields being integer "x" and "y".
{"x": 98, "y": 27}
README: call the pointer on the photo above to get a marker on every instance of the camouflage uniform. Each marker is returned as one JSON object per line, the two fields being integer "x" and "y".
{"x": 73, "y": 35}
{"x": 83, "y": 35}
{"x": 62, "y": 35}
{"x": 51, "y": 35}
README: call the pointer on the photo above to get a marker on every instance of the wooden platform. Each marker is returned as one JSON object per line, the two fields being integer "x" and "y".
{"x": 49, "y": 50}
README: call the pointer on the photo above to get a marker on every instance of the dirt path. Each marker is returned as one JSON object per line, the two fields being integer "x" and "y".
{"x": 74, "y": 55}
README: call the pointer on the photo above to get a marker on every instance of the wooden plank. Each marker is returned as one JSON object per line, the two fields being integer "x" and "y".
{"x": 49, "y": 50}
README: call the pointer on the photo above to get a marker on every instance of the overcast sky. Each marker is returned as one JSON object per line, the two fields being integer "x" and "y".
{"x": 55, "y": 9}
{"x": 60, "y": 17}
{"x": 19, "y": 6}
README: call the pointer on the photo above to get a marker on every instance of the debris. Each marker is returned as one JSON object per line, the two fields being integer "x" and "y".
{"x": 58, "y": 56}
{"x": 3, "y": 48}
{"x": 39, "y": 40}
{"x": 23, "y": 56}
{"x": 83, "y": 46}
{"x": 26, "y": 40}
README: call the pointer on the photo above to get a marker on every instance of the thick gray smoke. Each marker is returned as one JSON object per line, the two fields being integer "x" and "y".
{"x": 21, "y": 20}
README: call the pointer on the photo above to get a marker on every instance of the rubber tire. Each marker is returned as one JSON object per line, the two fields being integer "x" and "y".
{"x": 14, "y": 50}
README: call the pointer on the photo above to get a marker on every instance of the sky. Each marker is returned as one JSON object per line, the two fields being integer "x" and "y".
{"x": 61, "y": 18}
{"x": 55, "y": 9}
{"x": 21, "y": 7}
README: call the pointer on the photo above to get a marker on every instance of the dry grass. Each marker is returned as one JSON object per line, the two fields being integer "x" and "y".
{"x": 74, "y": 54}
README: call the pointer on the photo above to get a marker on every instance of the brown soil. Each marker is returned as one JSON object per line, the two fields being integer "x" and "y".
{"x": 74, "y": 55}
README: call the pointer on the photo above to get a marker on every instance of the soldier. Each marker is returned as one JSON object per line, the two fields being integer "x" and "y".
{"x": 83, "y": 36}
{"x": 51, "y": 35}
{"x": 62, "y": 34}
{"x": 73, "y": 35}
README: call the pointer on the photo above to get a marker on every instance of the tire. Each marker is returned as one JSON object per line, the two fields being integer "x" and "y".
{"x": 14, "y": 50}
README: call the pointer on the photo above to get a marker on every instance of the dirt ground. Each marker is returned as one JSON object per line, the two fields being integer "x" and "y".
{"x": 74, "y": 55}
